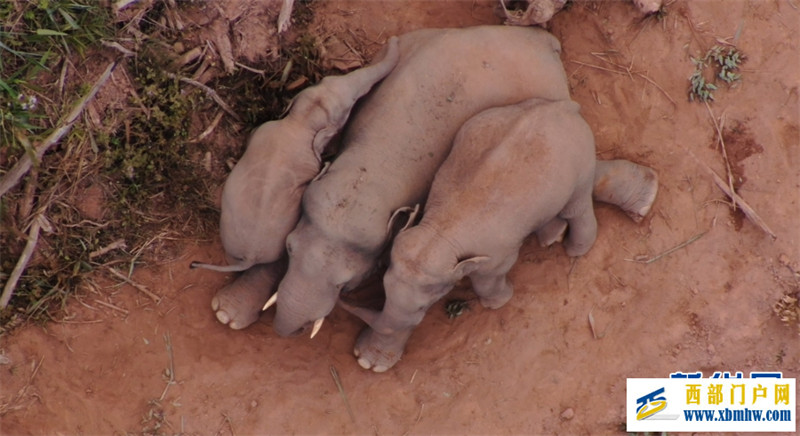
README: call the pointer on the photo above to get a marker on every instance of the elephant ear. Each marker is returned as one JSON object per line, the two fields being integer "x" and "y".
{"x": 468, "y": 266}
{"x": 396, "y": 223}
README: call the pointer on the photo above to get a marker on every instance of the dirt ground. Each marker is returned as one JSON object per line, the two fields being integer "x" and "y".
{"x": 533, "y": 366}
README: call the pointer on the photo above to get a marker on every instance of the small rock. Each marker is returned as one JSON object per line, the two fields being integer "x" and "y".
{"x": 568, "y": 414}
{"x": 711, "y": 349}
{"x": 783, "y": 259}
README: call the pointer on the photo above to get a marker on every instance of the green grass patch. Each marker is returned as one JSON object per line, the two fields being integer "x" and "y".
{"x": 724, "y": 62}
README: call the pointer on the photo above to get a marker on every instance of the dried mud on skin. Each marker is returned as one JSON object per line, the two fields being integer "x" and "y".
{"x": 532, "y": 366}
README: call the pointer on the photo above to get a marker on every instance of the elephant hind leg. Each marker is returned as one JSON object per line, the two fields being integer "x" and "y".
{"x": 553, "y": 231}
{"x": 238, "y": 304}
{"x": 579, "y": 214}
{"x": 492, "y": 285}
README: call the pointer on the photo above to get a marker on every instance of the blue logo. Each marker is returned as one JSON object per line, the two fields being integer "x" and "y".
{"x": 650, "y": 404}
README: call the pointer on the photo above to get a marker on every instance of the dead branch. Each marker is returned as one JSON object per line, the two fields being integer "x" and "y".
{"x": 141, "y": 288}
{"x": 24, "y": 258}
{"x": 724, "y": 150}
{"x": 119, "y": 243}
{"x": 21, "y": 168}
{"x": 342, "y": 393}
{"x": 749, "y": 212}
{"x": 209, "y": 92}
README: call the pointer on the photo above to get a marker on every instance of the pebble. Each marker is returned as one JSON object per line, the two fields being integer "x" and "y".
{"x": 568, "y": 413}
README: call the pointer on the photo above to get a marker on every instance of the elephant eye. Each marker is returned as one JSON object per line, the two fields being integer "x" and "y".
{"x": 288, "y": 248}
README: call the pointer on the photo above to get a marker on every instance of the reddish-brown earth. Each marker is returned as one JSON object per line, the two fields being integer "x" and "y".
{"x": 533, "y": 366}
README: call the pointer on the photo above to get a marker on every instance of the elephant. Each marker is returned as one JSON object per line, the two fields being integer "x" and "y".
{"x": 261, "y": 197}
{"x": 391, "y": 148}
{"x": 513, "y": 170}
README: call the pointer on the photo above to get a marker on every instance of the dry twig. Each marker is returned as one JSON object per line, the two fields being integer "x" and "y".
{"x": 342, "y": 393}
{"x": 749, "y": 212}
{"x": 119, "y": 243}
{"x": 209, "y": 92}
{"x": 171, "y": 369}
{"x": 724, "y": 149}
{"x": 111, "y": 306}
{"x": 141, "y": 288}
{"x": 24, "y": 258}
{"x": 627, "y": 72}
{"x": 671, "y": 250}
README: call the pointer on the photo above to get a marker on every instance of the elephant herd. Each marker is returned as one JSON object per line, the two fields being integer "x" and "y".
{"x": 460, "y": 144}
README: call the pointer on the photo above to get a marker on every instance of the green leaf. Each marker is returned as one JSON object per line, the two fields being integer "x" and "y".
{"x": 49, "y": 32}
{"x": 69, "y": 19}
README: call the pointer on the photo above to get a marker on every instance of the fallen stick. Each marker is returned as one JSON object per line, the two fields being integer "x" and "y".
{"x": 339, "y": 386}
{"x": 119, "y": 243}
{"x": 111, "y": 306}
{"x": 141, "y": 288}
{"x": 24, "y": 258}
{"x": 724, "y": 149}
{"x": 749, "y": 212}
{"x": 24, "y": 165}
{"x": 675, "y": 248}
{"x": 171, "y": 369}
{"x": 209, "y": 92}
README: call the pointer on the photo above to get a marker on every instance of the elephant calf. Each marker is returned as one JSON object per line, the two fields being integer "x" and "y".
{"x": 261, "y": 197}
{"x": 513, "y": 170}
{"x": 393, "y": 146}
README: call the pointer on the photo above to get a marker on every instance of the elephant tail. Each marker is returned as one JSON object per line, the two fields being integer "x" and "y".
{"x": 219, "y": 268}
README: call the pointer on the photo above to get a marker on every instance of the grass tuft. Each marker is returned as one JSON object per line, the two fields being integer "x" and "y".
{"x": 724, "y": 61}
{"x": 119, "y": 194}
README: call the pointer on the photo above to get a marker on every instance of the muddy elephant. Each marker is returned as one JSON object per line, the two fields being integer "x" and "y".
{"x": 261, "y": 197}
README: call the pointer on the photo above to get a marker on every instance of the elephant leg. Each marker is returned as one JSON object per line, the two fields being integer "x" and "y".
{"x": 579, "y": 214}
{"x": 625, "y": 184}
{"x": 379, "y": 352}
{"x": 380, "y": 346}
{"x": 552, "y": 232}
{"x": 492, "y": 285}
{"x": 239, "y": 304}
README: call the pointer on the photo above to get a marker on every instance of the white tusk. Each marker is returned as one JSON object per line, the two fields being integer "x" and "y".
{"x": 317, "y": 326}
{"x": 270, "y": 302}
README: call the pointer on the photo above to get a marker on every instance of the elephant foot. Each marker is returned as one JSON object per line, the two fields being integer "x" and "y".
{"x": 494, "y": 302}
{"x": 238, "y": 304}
{"x": 493, "y": 291}
{"x": 642, "y": 202}
{"x": 380, "y": 352}
{"x": 629, "y": 186}
{"x": 552, "y": 232}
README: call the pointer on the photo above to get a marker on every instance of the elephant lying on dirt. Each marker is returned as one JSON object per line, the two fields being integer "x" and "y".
{"x": 392, "y": 147}
{"x": 512, "y": 171}
{"x": 261, "y": 197}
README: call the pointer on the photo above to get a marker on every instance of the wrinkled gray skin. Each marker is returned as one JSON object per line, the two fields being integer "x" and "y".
{"x": 515, "y": 170}
{"x": 261, "y": 197}
{"x": 394, "y": 144}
